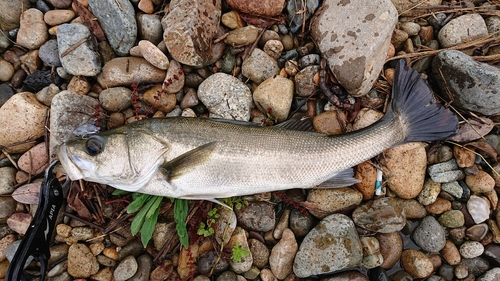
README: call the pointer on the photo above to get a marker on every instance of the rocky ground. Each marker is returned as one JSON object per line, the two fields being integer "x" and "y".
{"x": 105, "y": 63}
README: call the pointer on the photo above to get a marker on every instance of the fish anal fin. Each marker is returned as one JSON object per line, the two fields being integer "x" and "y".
{"x": 186, "y": 162}
{"x": 343, "y": 178}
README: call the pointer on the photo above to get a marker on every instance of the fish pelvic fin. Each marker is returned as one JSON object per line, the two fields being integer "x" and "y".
{"x": 186, "y": 162}
{"x": 413, "y": 102}
{"x": 343, "y": 178}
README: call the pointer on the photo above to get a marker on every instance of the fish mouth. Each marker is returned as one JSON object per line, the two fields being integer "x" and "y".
{"x": 74, "y": 167}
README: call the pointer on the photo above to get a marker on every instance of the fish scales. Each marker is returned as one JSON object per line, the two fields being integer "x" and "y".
{"x": 197, "y": 158}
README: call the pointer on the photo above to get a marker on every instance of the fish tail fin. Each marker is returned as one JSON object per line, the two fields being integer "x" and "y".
{"x": 412, "y": 101}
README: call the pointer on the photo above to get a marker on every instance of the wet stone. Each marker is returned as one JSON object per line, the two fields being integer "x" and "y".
{"x": 117, "y": 19}
{"x": 83, "y": 60}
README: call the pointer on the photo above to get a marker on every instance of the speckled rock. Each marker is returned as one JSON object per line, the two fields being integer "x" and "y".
{"x": 260, "y": 253}
{"x": 274, "y": 96}
{"x": 282, "y": 255}
{"x": 255, "y": 7}
{"x": 81, "y": 262}
{"x": 117, "y": 20}
{"x": 189, "y": 30}
{"x": 429, "y": 235}
{"x": 259, "y": 66}
{"x": 22, "y": 118}
{"x": 453, "y": 188}
{"x": 491, "y": 275}
{"x": 127, "y": 70}
{"x": 329, "y": 200}
{"x": 116, "y": 98}
{"x": 429, "y": 193}
{"x": 32, "y": 31}
{"x": 304, "y": 81}
{"x": 471, "y": 249}
{"x": 49, "y": 53}
{"x": 153, "y": 55}
{"x": 332, "y": 245}
{"x": 149, "y": 28}
{"x": 416, "y": 263}
{"x": 355, "y": 52}
{"x": 242, "y": 36}
{"x": 69, "y": 111}
{"x": 405, "y": 169}
{"x": 175, "y": 78}
{"x": 7, "y": 180}
{"x": 6, "y": 71}
{"x": 480, "y": 183}
{"x": 462, "y": 29}
{"x": 226, "y": 97}
{"x": 257, "y": 216}
{"x": 239, "y": 237}
{"x": 452, "y": 219}
{"x": 382, "y": 215}
{"x": 445, "y": 172}
{"x": 372, "y": 257}
{"x": 83, "y": 60}
{"x": 450, "y": 253}
{"x": 473, "y": 84}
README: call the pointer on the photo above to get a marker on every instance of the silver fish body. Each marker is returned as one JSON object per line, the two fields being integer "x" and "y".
{"x": 196, "y": 158}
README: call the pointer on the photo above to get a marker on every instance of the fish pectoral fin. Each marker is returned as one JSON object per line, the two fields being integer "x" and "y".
{"x": 186, "y": 162}
{"x": 341, "y": 179}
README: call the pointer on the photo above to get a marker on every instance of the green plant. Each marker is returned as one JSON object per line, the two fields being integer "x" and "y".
{"x": 235, "y": 202}
{"x": 239, "y": 252}
{"x": 207, "y": 229}
{"x": 180, "y": 214}
{"x": 145, "y": 220}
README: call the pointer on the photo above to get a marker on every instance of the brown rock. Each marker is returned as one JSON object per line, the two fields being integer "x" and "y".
{"x": 366, "y": 117}
{"x": 404, "y": 167}
{"x": 153, "y": 55}
{"x": 4, "y": 242}
{"x": 158, "y": 98}
{"x": 367, "y": 174}
{"x": 465, "y": 157}
{"x": 330, "y": 122}
{"x": 426, "y": 33}
{"x": 416, "y": 263}
{"x": 79, "y": 84}
{"x": 56, "y": 17}
{"x": 81, "y": 262}
{"x": 282, "y": 255}
{"x": 124, "y": 71}
{"x": 412, "y": 208}
{"x": 32, "y": 31}
{"x": 189, "y": 36}
{"x": 439, "y": 206}
{"x": 174, "y": 81}
{"x": 23, "y": 120}
{"x": 146, "y": 6}
{"x": 482, "y": 182}
{"x": 391, "y": 247}
{"x": 327, "y": 201}
{"x": 260, "y": 8}
{"x": 450, "y": 253}
{"x": 19, "y": 222}
{"x": 35, "y": 160}
{"x": 11, "y": 13}
{"x": 232, "y": 20}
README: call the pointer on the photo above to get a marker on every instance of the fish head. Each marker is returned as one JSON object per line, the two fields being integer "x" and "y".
{"x": 126, "y": 160}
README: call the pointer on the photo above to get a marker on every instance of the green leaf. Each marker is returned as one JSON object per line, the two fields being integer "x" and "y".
{"x": 149, "y": 224}
{"x": 239, "y": 252}
{"x": 137, "y": 203}
{"x": 119, "y": 192}
{"x": 180, "y": 215}
{"x": 155, "y": 206}
{"x": 140, "y": 217}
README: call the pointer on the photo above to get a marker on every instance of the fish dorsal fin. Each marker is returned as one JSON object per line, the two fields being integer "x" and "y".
{"x": 235, "y": 122}
{"x": 184, "y": 163}
{"x": 299, "y": 122}
{"x": 341, "y": 179}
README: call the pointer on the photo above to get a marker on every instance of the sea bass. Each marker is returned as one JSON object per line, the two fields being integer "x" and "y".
{"x": 194, "y": 158}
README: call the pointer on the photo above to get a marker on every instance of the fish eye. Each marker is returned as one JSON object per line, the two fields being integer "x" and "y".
{"x": 94, "y": 145}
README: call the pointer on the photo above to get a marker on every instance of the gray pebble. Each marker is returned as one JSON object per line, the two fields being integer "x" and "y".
{"x": 47, "y": 94}
{"x": 6, "y": 92}
{"x": 301, "y": 223}
{"x": 311, "y": 59}
{"x": 226, "y": 97}
{"x": 256, "y": 216}
{"x": 476, "y": 266}
{"x": 429, "y": 235}
{"x": 82, "y": 233}
{"x": 117, "y": 19}
{"x": 453, "y": 188}
{"x": 207, "y": 261}
{"x": 83, "y": 60}
{"x": 101, "y": 259}
{"x": 125, "y": 269}
{"x": 491, "y": 275}
{"x": 49, "y": 53}
{"x": 259, "y": 66}
{"x": 462, "y": 29}
{"x": 144, "y": 265}
{"x": 7, "y": 208}
{"x": 445, "y": 171}
{"x": 150, "y": 28}
{"x": 474, "y": 85}
{"x": 7, "y": 180}
{"x": 134, "y": 248}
